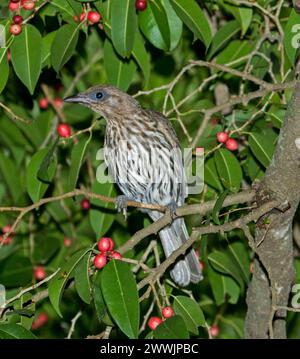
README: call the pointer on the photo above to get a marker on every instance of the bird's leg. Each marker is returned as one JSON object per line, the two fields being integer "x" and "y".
{"x": 121, "y": 204}
{"x": 172, "y": 206}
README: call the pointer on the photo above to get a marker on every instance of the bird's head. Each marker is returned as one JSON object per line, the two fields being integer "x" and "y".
{"x": 108, "y": 101}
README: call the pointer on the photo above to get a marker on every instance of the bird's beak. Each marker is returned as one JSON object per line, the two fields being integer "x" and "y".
{"x": 81, "y": 99}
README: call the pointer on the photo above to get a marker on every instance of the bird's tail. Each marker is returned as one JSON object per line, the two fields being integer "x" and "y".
{"x": 185, "y": 270}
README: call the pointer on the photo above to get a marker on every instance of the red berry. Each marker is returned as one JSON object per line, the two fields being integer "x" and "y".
{"x": 75, "y": 17}
{"x": 154, "y": 322}
{"x": 100, "y": 261}
{"x": 13, "y": 6}
{"x": 64, "y": 130}
{"x": 58, "y": 102}
{"x": 82, "y": 16}
{"x": 43, "y": 103}
{"x": 17, "y": 19}
{"x": 7, "y": 229}
{"x": 67, "y": 242}
{"x": 116, "y": 255}
{"x": 6, "y": 240}
{"x": 104, "y": 244}
{"x": 85, "y": 204}
{"x": 28, "y": 4}
{"x": 141, "y": 5}
{"x": 8, "y": 55}
{"x": 40, "y": 321}
{"x": 231, "y": 144}
{"x": 222, "y": 137}
{"x": 15, "y": 29}
{"x": 39, "y": 273}
{"x": 167, "y": 312}
{"x": 112, "y": 244}
{"x": 214, "y": 330}
{"x": 94, "y": 17}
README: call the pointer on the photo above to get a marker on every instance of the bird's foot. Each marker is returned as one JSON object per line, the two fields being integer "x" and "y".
{"x": 121, "y": 204}
{"x": 172, "y": 206}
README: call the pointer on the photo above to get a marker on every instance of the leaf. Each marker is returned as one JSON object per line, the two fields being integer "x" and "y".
{"x": 292, "y": 36}
{"x": 194, "y": 18}
{"x": 241, "y": 257}
{"x": 15, "y": 331}
{"x": 172, "y": 328}
{"x": 224, "y": 34}
{"x": 141, "y": 56}
{"x": 218, "y": 206}
{"x": 101, "y": 219}
{"x": 63, "y": 6}
{"x": 242, "y": 14}
{"x": 236, "y": 49}
{"x": 36, "y": 188}
{"x": 98, "y": 297}
{"x": 154, "y": 25}
{"x": 77, "y": 157}
{"x": 46, "y": 48}
{"x": 211, "y": 176}
{"x": 223, "y": 263}
{"x": 15, "y": 271}
{"x": 4, "y": 68}
{"x": 42, "y": 174}
{"x": 121, "y": 296}
{"x": 82, "y": 279}
{"x": 119, "y": 72}
{"x": 64, "y": 45}
{"x": 45, "y": 246}
{"x": 123, "y": 26}
{"x": 190, "y": 311}
{"x": 262, "y": 147}
{"x": 26, "y": 56}
{"x": 57, "y": 284}
{"x": 175, "y": 24}
{"x": 229, "y": 169}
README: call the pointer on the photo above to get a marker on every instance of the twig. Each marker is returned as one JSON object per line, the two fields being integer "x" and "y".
{"x": 73, "y": 323}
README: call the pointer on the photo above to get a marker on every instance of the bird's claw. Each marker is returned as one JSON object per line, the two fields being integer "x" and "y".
{"x": 121, "y": 205}
{"x": 172, "y": 206}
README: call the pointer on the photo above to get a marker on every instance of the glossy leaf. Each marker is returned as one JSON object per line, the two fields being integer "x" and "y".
{"x": 63, "y": 46}
{"x": 14, "y": 331}
{"x": 229, "y": 169}
{"x": 121, "y": 296}
{"x": 190, "y": 311}
{"x": 4, "y": 68}
{"x": 98, "y": 297}
{"x": 82, "y": 279}
{"x": 242, "y": 14}
{"x": 292, "y": 36}
{"x": 57, "y": 284}
{"x": 174, "y": 22}
{"x": 218, "y": 206}
{"x": 262, "y": 147}
{"x": 124, "y": 26}
{"x": 15, "y": 271}
{"x": 141, "y": 56}
{"x": 26, "y": 56}
{"x": 211, "y": 175}
{"x": 172, "y": 328}
{"x": 194, "y": 18}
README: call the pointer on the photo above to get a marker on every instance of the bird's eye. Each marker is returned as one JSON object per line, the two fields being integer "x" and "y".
{"x": 99, "y": 95}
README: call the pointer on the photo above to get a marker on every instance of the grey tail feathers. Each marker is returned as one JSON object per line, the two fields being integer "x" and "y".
{"x": 185, "y": 270}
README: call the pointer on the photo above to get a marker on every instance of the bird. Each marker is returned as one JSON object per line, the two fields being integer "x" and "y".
{"x": 143, "y": 156}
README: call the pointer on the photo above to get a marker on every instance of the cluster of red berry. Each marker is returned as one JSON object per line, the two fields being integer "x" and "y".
{"x": 141, "y": 5}
{"x": 5, "y": 230}
{"x": 154, "y": 322}
{"x": 92, "y": 17}
{"x": 230, "y": 143}
{"x": 106, "y": 247}
{"x": 16, "y": 5}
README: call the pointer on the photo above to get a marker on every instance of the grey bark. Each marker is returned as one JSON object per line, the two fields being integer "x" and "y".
{"x": 273, "y": 268}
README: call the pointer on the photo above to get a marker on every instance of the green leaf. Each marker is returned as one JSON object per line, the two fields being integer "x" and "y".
{"x": 26, "y": 56}
{"x": 4, "y": 68}
{"x": 121, "y": 296}
{"x": 98, "y": 297}
{"x": 42, "y": 174}
{"x": 292, "y": 36}
{"x": 175, "y": 24}
{"x": 46, "y": 48}
{"x": 190, "y": 311}
{"x": 45, "y": 246}
{"x": 234, "y": 50}
{"x": 222, "y": 262}
{"x": 211, "y": 176}
{"x": 77, "y": 157}
{"x": 58, "y": 283}
{"x": 82, "y": 279}
{"x": 119, "y": 72}
{"x": 141, "y": 56}
{"x": 123, "y": 26}
{"x": 194, "y": 18}
{"x": 242, "y": 14}
{"x": 218, "y": 206}
{"x": 262, "y": 147}
{"x": 229, "y": 169}
{"x": 172, "y": 328}
{"x": 224, "y": 34}
{"x": 63, "y": 6}
{"x": 36, "y": 188}
{"x": 241, "y": 258}
{"x": 63, "y": 46}
{"x": 15, "y": 271}
{"x": 15, "y": 331}
{"x": 154, "y": 25}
